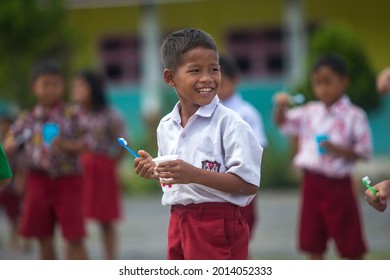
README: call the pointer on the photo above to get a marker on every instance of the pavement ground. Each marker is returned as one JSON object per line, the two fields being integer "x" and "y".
{"x": 143, "y": 230}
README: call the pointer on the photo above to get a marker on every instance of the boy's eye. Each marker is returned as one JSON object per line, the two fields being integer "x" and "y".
{"x": 193, "y": 70}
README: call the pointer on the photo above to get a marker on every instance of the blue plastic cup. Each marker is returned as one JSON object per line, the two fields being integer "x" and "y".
{"x": 50, "y": 131}
{"x": 319, "y": 139}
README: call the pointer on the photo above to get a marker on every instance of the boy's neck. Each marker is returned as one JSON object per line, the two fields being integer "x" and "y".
{"x": 185, "y": 115}
{"x": 87, "y": 107}
{"x": 49, "y": 107}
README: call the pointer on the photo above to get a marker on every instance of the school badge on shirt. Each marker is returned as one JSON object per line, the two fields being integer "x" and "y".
{"x": 211, "y": 166}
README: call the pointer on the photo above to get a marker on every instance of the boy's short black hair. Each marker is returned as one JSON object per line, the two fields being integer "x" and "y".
{"x": 44, "y": 67}
{"x": 178, "y": 43}
{"x": 334, "y": 61}
{"x": 228, "y": 67}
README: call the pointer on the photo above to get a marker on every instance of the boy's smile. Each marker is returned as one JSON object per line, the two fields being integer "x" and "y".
{"x": 196, "y": 80}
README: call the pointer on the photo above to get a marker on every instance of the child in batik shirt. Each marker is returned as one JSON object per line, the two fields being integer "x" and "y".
{"x": 333, "y": 134}
{"x": 100, "y": 182}
{"x": 53, "y": 184}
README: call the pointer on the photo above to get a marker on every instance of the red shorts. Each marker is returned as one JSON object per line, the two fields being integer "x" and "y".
{"x": 11, "y": 203}
{"x": 330, "y": 211}
{"x": 249, "y": 214}
{"x": 207, "y": 231}
{"x": 101, "y": 188}
{"x": 49, "y": 201}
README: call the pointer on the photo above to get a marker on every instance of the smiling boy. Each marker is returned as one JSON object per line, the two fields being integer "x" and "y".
{"x": 218, "y": 165}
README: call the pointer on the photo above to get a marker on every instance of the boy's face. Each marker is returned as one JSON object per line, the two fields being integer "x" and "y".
{"x": 197, "y": 79}
{"x": 328, "y": 86}
{"x": 48, "y": 88}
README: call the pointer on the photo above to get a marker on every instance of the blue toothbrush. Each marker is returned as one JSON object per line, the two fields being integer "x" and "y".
{"x": 123, "y": 143}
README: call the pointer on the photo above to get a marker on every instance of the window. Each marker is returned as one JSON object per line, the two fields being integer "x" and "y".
{"x": 258, "y": 52}
{"x": 120, "y": 59}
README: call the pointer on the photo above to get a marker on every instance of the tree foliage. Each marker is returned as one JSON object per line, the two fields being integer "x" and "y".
{"x": 30, "y": 30}
{"x": 340, "y": 39}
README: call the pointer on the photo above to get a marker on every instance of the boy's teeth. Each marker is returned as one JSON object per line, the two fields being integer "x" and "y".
{"x": 204, "y": 90}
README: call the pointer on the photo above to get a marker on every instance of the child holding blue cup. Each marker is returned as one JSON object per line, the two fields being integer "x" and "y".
{"x": 332, "y": 134}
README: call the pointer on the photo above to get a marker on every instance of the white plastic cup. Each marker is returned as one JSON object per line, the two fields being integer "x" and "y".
{"x": 157, "y": 161}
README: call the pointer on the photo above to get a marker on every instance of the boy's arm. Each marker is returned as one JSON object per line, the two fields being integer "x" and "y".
{"x": 184, "y": 173}
{"x": 362, "y": 147}
{"x": 9, "y": 144}
{"x": 70, "y": 146}
{"x": 345, "y": 152}
{"x": 281, "y": 104}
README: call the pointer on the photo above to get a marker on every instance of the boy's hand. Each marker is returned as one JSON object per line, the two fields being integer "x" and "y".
{"x": 383, "y": 81}
{"x": 339, "y": 151}
{"x": 176, "y": 172}
{"x": 282, "y": 99}
{"x": 144, "y": 166}
{"x": 9, "y": 145}
{"x": 379, "y": 201}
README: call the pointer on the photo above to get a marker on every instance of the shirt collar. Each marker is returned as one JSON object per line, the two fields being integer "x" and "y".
{"x": 340, "y": 106}
{"x": 203, "y": 111}
{"x": 40, "y": 113}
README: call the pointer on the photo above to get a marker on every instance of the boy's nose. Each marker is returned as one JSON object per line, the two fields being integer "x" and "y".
{"x": 206, "y": 78}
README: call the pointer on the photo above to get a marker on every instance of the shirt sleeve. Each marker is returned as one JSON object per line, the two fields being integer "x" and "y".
{"x": 293, "y": 120}
{"x": 5, "y": 170}
{"x": 362, "y": 139}
{"x": 18, "y": 127}
{"x": 243, "y": 153}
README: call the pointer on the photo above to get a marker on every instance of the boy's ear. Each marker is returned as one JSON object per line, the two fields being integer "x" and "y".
{"x": 168, "y": 77}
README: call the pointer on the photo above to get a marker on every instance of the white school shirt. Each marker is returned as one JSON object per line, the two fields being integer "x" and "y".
{"x": 249, "y": 114}
{"x": 214, "y": 138}
{"x": 344, "y": 123}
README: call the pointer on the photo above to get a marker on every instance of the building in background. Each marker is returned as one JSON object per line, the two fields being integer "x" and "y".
{"x": 267, "y": 38}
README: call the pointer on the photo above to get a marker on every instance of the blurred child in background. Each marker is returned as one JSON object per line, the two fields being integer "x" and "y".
{"x": 100, "y": 179}
{"x": 232, "y": 99}
{"x": 53, "y": 184}
{"x": 333, "y": 133}
{"x": 5, "y": 170}
{"x": 379, "y": 201}
{"x": 11, "y": 195}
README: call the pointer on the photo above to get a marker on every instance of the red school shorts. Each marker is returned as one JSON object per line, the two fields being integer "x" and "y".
{"x": 101, "y": 188}
{"x": 207, "y": 231}
{"x": 10, "y": 201}
{"x": 249, "y": 214}
{"x": 49, "y": 201}
{"x": 330, "y": 211}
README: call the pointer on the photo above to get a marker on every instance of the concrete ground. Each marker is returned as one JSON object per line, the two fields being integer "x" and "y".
{"x": 142, "y": 232}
